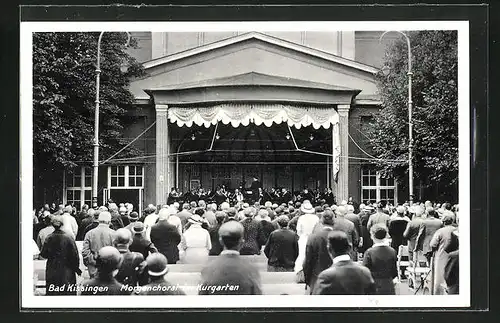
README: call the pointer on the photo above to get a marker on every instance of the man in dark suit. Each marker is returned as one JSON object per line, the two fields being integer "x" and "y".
{"x": 282, "y": 247}
{"x": 139, "y": 242}
{"x": 397, "y": 227}
{"x": 229, "y": 271}
{"x": 166, "y": 237}
{"x": 340, "y": 223}
{"x": 317, "y": 257}
{"x": 426, "y": 231}
{"x": 129, "y": 272}
{"x": 217, "y": 248}
{"x": 344, "y": 277}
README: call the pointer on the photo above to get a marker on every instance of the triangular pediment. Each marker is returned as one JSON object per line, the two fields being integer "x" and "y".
{"x": 255, "y": 58}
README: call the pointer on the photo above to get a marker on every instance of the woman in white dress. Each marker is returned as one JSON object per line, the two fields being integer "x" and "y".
{"x": 305, "y": 226}
{"x": 195, "y": 243}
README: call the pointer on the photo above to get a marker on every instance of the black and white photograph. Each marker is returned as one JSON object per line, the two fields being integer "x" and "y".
{"x": 278, "y": 162}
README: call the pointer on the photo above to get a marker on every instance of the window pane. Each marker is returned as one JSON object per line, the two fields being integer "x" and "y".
{"x": 383, "y": 181}
{"x": 373, "y": 180}
{"x": 88, "y": 181}
{"x": 366, "y": 181}
{"x": 373, "y": 195}
{"x": 138, "y": 170}
{"x": 88, "y": 195}
{"x": 113, "y": 170}
{"x": 69, "y": 195}
{"x": 77, "y": 182}
{"x": 383, "y": 194}
{"x": 390, "y": 194}
{"x": 121, "y": 181}
{"x": 114, "y": 181}
{"x": 121, "y": 170}
{"x": 366, "y": 195}
{"x": 138, "y": 181}
{"x": 131, "y": 181}
{"x": 131, "y": 170}
{"x": 390, "y": 182}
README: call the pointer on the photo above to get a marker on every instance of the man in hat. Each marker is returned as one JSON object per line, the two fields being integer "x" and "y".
{"x": 95, "y": 239}
{"x": 166, "y": 237}
{"x": 108, "y": 262}
{"x": 282, "y": 247}
{"x": 156, "y": 268}
{"x": 62, "y": 260}
{"x": 124, "y": 215}
{"x": 251, "y": 244}
{"x": 129, "y": 272}
{"x": 344, "y": 277}
{"x": 355, "y": 219}
{"x": 94, "y": 223}
{"x": 133, "y": 218}
{"x": 140, "y": 243}
{"x": 229, "y": 271}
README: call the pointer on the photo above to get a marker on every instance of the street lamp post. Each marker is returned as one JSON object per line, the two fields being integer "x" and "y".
{"x": 96, "y": 118}
{"x": 410, "y": 107}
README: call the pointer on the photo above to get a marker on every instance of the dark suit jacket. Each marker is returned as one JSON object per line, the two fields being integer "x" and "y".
{"x": 411, "y": 232}
{"x": 397, "y": 227}
{"x": 214, "y": 238}
{"x": 317, "y": 257}
{"x": 142, "y": 245}
{"x": 343, "y": 224}
{"x": 426, "y": 231}
{"x": 265, "y": 230}
{"x": 345, "y": 278}
{"x": 282, "y": 248}
{"x": 129, "y": 273}
{"x": 354, "y": 218}
{"x": 166, "y": 237}
{"x": 251, "y": 246}
{"x": 233, "y": 270}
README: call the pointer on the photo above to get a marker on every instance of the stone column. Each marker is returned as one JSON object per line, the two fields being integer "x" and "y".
{"x": 162, "y": 151}
{"x": 342, "y": 192}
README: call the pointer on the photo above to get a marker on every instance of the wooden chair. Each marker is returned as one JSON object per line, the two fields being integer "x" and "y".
{"x": 418, "y": 271}
{"x": 403, "y": 260}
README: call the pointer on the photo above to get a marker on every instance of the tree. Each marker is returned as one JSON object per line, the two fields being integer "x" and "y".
{"x": 64, "y": 99}
{"x": 435, "y": 110}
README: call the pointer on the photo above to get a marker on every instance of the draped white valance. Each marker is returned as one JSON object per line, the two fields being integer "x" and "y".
{"x": 246, "y": 113}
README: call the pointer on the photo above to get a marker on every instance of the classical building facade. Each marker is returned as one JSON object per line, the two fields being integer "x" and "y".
{"x": 220, "y": 108}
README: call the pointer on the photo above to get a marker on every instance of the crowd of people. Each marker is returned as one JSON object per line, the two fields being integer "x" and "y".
{"x": 342, "y": 248}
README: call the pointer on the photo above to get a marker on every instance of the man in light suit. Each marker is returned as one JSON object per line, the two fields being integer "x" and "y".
{"x": 230, "y": 269}
{"x": 412, "y": 230}
{"x": 344, "y": 277}
{"x": 426, "y": 231}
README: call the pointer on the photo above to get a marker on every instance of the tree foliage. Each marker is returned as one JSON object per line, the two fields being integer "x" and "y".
{"x": 435, "y": 109}
{"x": 64, "y": 94}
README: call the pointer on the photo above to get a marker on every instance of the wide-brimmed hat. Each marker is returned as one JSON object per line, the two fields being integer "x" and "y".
{"x": 138, "y": 228}
{"x": 307, "y": 207}
{"x": 195, "y": 219}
